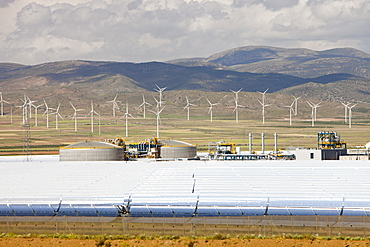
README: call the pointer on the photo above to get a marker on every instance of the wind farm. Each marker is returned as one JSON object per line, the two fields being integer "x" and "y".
{"x": 168, "y": 122}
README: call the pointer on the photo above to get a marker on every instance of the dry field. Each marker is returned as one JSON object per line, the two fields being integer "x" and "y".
{"x": 44, "y": 242}
{"x": 199, "y": 131}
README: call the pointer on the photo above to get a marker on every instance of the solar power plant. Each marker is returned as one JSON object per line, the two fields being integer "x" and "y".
{"x": 46, "y": 186}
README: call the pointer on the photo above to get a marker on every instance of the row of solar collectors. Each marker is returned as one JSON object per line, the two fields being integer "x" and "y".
{"x": 106, "y": 210}
{"x": 174, "y": 211}
{"x": 204, "y": 211}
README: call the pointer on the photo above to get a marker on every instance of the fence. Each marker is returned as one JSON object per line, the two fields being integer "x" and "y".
{"x": 248, "y": 225}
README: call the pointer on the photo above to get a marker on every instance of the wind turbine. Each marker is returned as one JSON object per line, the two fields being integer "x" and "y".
{"x": 75, "y": 115}
{"x": 24, "y": 110}
{"x": 160, "y": 90}
{"x": 291, "y": 110}
{"x": 236, "y": 104}
{"x": 36, "y": 107}
{"x": 56, "y": 116}
{"x": 2, "y": 101}
{"x": 91, "y": 113}
{"x": 316, "y": 106}
{"x": 143, "y": 105}
{"x": 345, "y": 110}
{"x": 314, "y": 111}
{"x": 47, "y": 112}
{"x": 157, "y": 113}
{"x": 263, "y": 104}
{"x": 210, "y": 108}
{"x": 296, "y": 104}
{"x": 188, "y": 104}
{"x": 30, "y": 103}
{"x": 115, "y": 105}
{"x": 126, "y": 115}
{"x": 350, "y": 115}
{"x": 157, "y": 105}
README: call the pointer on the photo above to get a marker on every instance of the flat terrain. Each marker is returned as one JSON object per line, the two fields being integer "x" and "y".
{"x": 199, "y": 131}
{"x": 43, "y": 242}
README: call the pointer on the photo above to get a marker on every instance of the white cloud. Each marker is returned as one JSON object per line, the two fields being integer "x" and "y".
{"x": 145, "y": 30}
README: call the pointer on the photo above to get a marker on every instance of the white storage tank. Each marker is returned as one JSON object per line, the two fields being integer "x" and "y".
{"x": 171, "y": 149}
{"x": 91, "y": 151}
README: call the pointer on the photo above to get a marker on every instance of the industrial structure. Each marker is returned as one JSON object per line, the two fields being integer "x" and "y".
{"x": 118, "y": 149}
{"x": 330, "y": 140}
{"x": 91, "y": 151}
{"x": 329, "y": 147}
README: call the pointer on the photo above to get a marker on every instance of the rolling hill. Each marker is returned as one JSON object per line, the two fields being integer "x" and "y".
{"x": 332, "y": 75}
{"x": 297, "y": 62}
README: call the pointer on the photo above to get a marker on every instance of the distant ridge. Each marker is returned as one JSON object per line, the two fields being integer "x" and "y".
{"x": 297, "y": 62}
{"x": 253, "y": 68}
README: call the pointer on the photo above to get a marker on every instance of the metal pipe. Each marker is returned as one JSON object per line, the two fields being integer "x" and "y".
{"x": 263, "y": 142}
{"x": 275, "y": 142}
{"x": 250, "y": 143}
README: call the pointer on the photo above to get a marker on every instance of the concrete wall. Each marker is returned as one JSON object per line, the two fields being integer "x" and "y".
{"x": 308, "y": 154}
{"x": 319, "y": 154}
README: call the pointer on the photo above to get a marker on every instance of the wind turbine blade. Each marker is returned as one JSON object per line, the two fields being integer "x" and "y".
{"x": 155, "y": 99}
{"x": 161, "y": 110}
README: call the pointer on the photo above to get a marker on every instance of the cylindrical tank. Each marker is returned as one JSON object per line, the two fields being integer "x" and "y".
{"x": 91, "y": 151}
{"x": 177, "y": 150}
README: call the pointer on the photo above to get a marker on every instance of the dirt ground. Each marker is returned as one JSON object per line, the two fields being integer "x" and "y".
{"x": 42, "y": 242}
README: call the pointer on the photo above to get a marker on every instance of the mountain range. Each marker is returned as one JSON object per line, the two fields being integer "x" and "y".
{"x": 333, "y": 75}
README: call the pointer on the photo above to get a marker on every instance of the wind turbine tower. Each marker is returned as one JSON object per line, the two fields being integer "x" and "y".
{"x": 188, "y": 104}
{"x": 350, "y": 115}
{"x": 47, "y": 112}
{"x": 160, "y": 90}
{"x": 126, "y": 115}
{"x": 115, "y": 105}
{"x": 236, "y": 104}
{"x": 30, "y": 103}
{"x": 36, "y": 107}
{"x": 314, "y": 111}
{"x": 296, "y": 104}
{"x": 143, "y": 105}
{"x": 24, "y": 111}
{"x": 56, "y": 116}
{"x": 316, "y": 106}
{"x": 210, "y": 108}
{"x": 345, "y": 110}
{"x": 2, "y": 101}
{"x": 263, "y": 104}
{"x": 291, "y": 111}
{"x": 75, "y": 115}
{"x": 157, "y": 113}
{"x": 91, "y": 113}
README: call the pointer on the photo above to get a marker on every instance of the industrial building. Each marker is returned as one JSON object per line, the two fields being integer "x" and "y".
{"x": 118, "y": 149}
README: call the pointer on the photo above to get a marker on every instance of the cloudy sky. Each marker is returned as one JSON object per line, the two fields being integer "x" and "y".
{"x": 33, "y": 32}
